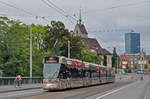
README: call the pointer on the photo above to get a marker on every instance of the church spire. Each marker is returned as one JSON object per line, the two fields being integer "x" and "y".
{"x": 80, "y": 18}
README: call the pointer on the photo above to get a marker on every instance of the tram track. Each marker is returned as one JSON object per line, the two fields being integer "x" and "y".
{"x": 77, "y": 93}
{"x": 96, "y": 91}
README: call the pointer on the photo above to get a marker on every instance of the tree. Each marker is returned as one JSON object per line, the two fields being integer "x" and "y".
{"x": 145, "y": 66}
{"x": 128, "y": 68}
{"x": 89, "y": 56}
{"x": 59, "y": 36}
{"x": 115, "y": 58}
{"x": 136, "y": 66}
{"x": 56, "y": 34}
{"x": 13, "y": 46}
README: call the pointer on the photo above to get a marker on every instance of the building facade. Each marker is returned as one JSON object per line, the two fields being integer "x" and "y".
{"x": 135, "y": 61}
{"x": 132, "y": 43}
{"x": 92, "y": 44}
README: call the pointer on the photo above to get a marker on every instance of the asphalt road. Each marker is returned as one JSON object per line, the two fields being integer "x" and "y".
{"x": 126, "y": 88}
{"x": 79, "y": 93}
{"x": 135, "y": 90}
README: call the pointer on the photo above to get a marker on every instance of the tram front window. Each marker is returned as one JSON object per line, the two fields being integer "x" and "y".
{"x": 51, "y": 70}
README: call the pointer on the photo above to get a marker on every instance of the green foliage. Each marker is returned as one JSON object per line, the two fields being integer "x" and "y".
{"x": 15, "y": 46}
{"x": 136, "y": 66}
{"x": 115, "y": 58}
{"x": 145, "y": 66}
{"x": 128, "y": 69}
{"x": 56, "y": 31}
{"x": 89, "y": 56}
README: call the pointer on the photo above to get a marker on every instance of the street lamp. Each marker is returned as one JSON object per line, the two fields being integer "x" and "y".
{"x": 31, "y": 51}
{"x": 68, "y": 49}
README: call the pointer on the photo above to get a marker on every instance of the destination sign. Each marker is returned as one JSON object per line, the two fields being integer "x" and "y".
{"x": 51, "y": 59}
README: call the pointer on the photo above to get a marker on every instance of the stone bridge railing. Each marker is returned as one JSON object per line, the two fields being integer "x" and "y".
{"x": 25, "y": 80}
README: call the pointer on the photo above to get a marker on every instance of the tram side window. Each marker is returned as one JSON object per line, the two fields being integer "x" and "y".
{"x": 103, "y": 73}
{"x": 109, "y": 73}
{"x": 64, "y": 72}
{"x": 75, "y": 73}
{"x": 95, "y": 74}
{"x": 106, "y": 73}
{"x": 86, "y": 74}
{"x": 70, "y": 73}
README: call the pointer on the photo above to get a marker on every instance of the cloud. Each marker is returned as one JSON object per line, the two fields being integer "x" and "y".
{"x": 96, "y": 16}
{"x": 132, "y": 22}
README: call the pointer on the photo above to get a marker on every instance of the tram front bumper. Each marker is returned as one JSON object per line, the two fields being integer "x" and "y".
{"x": 50, "y": 86}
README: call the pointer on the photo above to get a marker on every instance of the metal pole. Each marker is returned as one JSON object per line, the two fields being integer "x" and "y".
{"x": 31, "y": 51}
{"x": 68, "y": 49}
{"x": 117, "y": 64}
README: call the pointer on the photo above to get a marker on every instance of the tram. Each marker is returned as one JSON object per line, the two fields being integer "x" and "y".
{"x": 62, "y": 73}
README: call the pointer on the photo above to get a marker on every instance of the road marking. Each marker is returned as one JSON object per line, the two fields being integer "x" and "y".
{"x": 114, "y": 91}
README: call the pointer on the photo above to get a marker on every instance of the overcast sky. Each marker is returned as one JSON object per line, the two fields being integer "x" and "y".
{"x": 106, "y": 20}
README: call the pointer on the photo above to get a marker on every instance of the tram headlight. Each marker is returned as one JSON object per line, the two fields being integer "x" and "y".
{"x": 51, "y": 85}
{"x": 54, "y": 80}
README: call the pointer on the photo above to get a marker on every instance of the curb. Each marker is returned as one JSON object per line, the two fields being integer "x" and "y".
{"x": 19, "y": 89}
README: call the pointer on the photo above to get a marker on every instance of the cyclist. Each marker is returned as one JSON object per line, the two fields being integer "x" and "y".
{"x": 18, "y": 81}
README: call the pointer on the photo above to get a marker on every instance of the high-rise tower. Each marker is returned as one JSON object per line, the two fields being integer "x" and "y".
{"x": 132, "y": 43}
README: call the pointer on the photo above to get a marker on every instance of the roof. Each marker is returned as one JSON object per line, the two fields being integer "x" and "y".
{"x": 82, "y": 28}
{"x": 93, "y": 44}
{"x": 124, "y": 58}
{"x": 104, "y": 52}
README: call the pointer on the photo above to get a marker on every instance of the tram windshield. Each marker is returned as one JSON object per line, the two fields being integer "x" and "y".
{"x": 51, "y": 70}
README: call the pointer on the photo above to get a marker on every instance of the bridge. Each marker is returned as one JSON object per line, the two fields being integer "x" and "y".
{"x": 126, "y": 87}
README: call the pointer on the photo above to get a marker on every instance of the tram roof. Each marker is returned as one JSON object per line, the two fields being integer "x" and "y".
{"x": 93, "y": 64}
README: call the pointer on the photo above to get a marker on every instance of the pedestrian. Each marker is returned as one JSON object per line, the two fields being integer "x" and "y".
{"x": 18, "y": 80}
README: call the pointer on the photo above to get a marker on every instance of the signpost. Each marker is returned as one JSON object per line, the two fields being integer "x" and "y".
{"x": 141, "y": 63}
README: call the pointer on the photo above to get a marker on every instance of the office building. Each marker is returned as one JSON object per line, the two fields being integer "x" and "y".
{"x": 132, "y": 43}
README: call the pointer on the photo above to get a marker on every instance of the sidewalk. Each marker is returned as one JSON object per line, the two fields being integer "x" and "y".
{"x": 11, "y": 88}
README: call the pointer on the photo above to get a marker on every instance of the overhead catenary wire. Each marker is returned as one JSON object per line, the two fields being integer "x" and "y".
{"x": 20, "y": 9}
{"x": 74, "y": 18}
{"x": 117, "y": 6}
{"x": 16, "y": 8}
{"x": 108, "y": 30}
{"x": 59, "y": 11}
{"x": 6, "y": 14}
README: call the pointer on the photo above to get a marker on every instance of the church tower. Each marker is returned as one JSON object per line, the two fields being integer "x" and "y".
{"x": 80, "y": 18}
{"x": 80, "y": 29}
